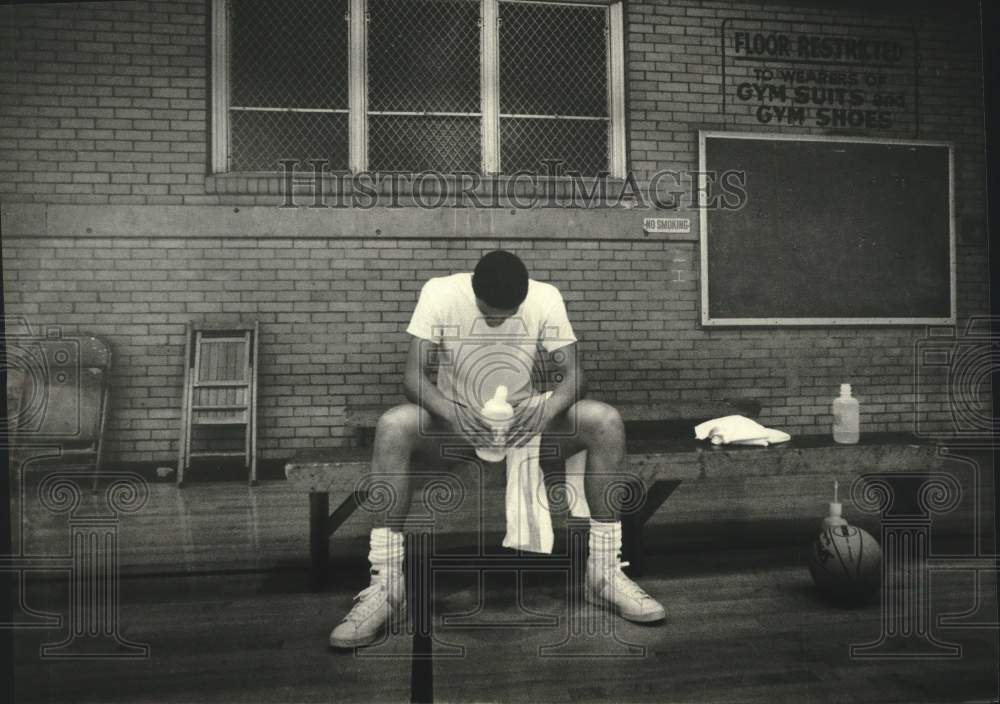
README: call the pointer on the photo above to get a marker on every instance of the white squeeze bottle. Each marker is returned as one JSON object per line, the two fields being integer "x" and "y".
{"x": 835, "y": 517}
{"x": 499, "y": 414}
{"x": 846, "y": 417}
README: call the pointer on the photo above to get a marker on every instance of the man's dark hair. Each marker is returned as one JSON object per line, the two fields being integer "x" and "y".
{"x": 501, "y": 279}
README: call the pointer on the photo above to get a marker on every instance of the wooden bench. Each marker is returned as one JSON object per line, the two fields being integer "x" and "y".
{"x": 674, "y": 417}
{"x": 658, "y": 460}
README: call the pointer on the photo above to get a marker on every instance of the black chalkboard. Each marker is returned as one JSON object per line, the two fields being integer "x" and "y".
{"x": 830, "y": 231}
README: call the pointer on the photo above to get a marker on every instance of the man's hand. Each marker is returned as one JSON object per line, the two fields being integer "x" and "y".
{"x": 530, "y": 418}
{"x": 470, "y": 423}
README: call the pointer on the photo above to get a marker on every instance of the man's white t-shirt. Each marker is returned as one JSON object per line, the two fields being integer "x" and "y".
{"x": 475, "y": 358}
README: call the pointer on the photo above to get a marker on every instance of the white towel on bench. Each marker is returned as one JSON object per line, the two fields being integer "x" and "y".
{"x": 529, "y": 522}
{"x": 739, "y": 430}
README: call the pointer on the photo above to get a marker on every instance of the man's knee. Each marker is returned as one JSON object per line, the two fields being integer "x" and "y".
{"x": 600, "y": 422}
{"x": 400, "y": 424}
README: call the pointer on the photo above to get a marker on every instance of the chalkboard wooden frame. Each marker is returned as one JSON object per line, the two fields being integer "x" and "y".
{"x": 707, "y": 318}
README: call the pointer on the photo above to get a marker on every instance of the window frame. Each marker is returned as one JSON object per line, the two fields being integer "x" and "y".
{"x": 357, "y": 100}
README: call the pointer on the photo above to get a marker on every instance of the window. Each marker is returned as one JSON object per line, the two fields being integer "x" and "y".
{"x": 287, "y": 82}
{"x": 423, "y": 85}
{"x": 553, "y": 86}
{"x": 494, "y": 86}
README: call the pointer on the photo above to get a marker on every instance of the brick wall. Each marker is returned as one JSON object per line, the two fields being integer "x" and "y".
{"x": 104, "y": 103}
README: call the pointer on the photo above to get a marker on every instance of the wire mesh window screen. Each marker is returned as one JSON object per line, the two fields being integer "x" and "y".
{"x": 423, "y": 85}
{"x": 416, "y": 143}
{"x": 553, "y": 86}
{"x": 288, "y": 82}
{"x": 580, "y": 146}
{"x": 288, "y": 74}
{"x": 261, "y": 140}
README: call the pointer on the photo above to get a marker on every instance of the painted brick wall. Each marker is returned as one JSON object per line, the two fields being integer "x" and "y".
{"x": 104, "y": 103}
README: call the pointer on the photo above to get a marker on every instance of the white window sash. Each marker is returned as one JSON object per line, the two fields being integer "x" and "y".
{"x": 357, "y": 87}
{"x": 617, "y": 156}
{"x": 220, "y": 87}
{"x": 490, "y": 85}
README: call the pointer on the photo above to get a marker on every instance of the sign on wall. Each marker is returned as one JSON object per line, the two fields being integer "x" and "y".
{"x": 820, "y": 76}
{"x": 669, "y": 226}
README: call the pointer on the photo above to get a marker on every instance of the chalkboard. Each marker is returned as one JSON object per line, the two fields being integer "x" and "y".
{"x": 826, "y": 231}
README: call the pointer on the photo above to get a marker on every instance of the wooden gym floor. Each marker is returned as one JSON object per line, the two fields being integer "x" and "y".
{"x": 214, "y": 582}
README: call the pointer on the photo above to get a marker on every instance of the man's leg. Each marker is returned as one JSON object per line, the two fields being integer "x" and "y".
{"x": 401, "y": 433}
{"x": 598, "y": 428}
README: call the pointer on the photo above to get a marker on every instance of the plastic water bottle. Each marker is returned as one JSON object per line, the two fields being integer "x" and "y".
{"x": 846, "y": 417}
{"x": 499, "y": 414}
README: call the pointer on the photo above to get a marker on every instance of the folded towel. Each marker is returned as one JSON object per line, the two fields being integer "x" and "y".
{"x": 739, "y": 430}
{"x": 529, "y": 522}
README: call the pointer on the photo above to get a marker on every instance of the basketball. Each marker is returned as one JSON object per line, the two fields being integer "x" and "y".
{"x": 845, "y": 562}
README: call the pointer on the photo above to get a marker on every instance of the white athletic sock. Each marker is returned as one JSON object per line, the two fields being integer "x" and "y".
{"x": 385, "y": 550}
{"x": 605, "y": 543}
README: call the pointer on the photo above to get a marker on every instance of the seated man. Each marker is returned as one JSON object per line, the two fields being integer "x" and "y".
{"x": 520, "y": 317}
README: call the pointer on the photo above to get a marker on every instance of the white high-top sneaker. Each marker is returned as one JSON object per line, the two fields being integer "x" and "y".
{"x": 610, "y": 588}
{"x": 381, "y": 602}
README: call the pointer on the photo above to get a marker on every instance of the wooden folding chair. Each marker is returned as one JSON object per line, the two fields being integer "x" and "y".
{"x": 220, "y": 392}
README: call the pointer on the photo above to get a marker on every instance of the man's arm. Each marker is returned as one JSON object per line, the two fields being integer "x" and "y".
{"x": 566, "y": 366}
{"x": 530, "y": 419}
{"x": 417, "y": 383}
{"x": 420, "y": 389}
